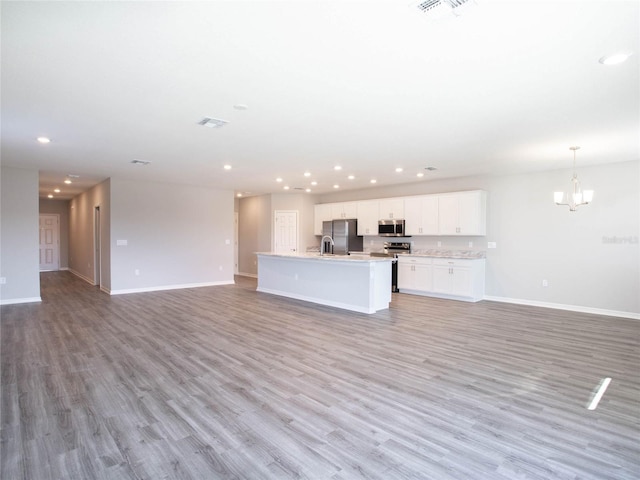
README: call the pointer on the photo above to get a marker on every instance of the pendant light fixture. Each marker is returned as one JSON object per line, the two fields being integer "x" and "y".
{"x": 575, "y": 196}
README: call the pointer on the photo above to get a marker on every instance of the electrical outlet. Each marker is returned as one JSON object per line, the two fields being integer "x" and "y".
{"x": 470, "y": 244}
{"x": 545, "y": 283}
{"x": 3, "y": 280}
{"x": 137, "y": 272}
{"x": 491, "y": 244}
{"x": 220, "y": 268}
{"x": 439, "y": 243}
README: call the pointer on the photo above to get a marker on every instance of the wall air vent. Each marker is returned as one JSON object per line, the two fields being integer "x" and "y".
{"x": 212, "y": 122}
{"x": 436, "y": 9}
{"x": 140, "y": 162}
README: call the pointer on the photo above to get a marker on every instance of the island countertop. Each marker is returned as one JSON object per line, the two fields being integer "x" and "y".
{"x": 327, "y": 257}
{"x": 354, "y": 282}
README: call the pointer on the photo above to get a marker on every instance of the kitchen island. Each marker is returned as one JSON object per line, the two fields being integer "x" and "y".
{"x": 353, "y": 282}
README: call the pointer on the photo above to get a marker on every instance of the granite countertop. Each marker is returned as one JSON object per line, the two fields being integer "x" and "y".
{"x": 364, "y": 257}
{"x": 436, "y": 253}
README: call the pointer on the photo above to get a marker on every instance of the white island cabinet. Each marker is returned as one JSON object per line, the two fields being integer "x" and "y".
{"x": 357, "y": 283}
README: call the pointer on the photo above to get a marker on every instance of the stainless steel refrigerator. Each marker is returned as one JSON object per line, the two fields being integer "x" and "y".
{"x": 344, "y": 234}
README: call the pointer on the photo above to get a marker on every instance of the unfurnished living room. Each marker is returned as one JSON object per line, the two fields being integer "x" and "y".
{"x": 320, "y": 240}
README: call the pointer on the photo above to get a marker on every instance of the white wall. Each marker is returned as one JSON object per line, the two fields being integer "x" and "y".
{"x": 19, "y": 244}
{"x": 81, "y": 233}
{"x": 538, "y": 240}
{"x": 176, "y": 236}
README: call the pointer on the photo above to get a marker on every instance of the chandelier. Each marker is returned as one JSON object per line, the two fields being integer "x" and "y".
{"x": 575, "y": 196}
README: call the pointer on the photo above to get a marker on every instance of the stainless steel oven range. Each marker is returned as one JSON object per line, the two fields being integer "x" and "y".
{"x": 392, "y": 249}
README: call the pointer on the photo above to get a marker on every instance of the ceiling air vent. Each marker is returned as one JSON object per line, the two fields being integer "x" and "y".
{"x": 436, "y": 9}
{"x": 212, "y": 122}
{"x": 140, "y": 162}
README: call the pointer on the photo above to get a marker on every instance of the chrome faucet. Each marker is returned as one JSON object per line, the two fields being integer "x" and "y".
{"x": 322, "y": 243}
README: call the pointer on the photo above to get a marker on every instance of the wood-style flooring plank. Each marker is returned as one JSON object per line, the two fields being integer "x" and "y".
{"x": 228, "y": 383}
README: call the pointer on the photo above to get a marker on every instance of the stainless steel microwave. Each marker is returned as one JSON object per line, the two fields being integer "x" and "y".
{"x": 391, "y": 228}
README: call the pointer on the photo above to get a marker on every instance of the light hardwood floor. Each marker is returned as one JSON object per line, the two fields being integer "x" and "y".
{"x": 225, "y": 382}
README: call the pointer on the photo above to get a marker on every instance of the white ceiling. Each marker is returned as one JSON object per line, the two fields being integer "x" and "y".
{"x": 371, "y": 86}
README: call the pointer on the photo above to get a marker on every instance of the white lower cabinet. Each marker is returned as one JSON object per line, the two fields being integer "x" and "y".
{"x": 414, "y": 273}
{"x": 459, "y": 279}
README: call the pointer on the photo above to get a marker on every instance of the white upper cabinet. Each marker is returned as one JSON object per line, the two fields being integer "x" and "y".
{"x": 344, "y": 210}
{"x": 391, "y": 208}
{"x": 462, "y": 213}
{"x": 421, "y": 215}
{"x": 322, "y": 213}
{"x": 368, "y": 217}
{"x": 456, "y": 213}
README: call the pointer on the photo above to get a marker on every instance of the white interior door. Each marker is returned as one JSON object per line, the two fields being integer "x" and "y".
{"x": 49, "y": 243}
{"x": 286, "y": 231}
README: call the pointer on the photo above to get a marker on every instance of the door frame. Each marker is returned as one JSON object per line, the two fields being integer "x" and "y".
{"x": 97, "y": 246}
{"x": 235, "y": 243}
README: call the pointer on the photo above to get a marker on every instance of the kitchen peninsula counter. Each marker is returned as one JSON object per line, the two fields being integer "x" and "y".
{"x": 353, "y": 282}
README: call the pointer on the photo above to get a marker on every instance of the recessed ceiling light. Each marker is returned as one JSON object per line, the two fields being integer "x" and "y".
{"x": 240, "y": 106}
{"x": 57, "y": 190}
{"x": 278, "y": 179}
{"x": 614, "y": 58}
{"x": 351, "y": 177}
{"x": 336, "y": 186}
{"x": 373, "y": 180}
{"x": 44, "y": 140}
{"x": 337, "y": 168}
{"x": 67, "y": 181}
{"x": 420, "y": 174}
{"x": 398, "y": 169}
{"x": 307, "y": 174}
{"x": 50, "y": 196}
{"x": 314, "y": 183}
{"x": 227, "y": 167}
{"x": 286, "y": 187}
{"x": 238, "y": 194}
{"x": 213, "y": 122}
{"x": 308, "y": 190}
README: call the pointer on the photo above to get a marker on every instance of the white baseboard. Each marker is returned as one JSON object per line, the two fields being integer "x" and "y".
{"x": 64, "y": 268}
{"x": 168, "y": 287}
{"x": 79, "y": 275}
{"x": 12, "y": 301}
{"x": 321, "y": 301}
{"x": 562, "y": 306}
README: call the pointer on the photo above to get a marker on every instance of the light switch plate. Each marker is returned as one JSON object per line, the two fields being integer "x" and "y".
{"x": 491, "y": 244}
{"x": 121, "y": 243}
